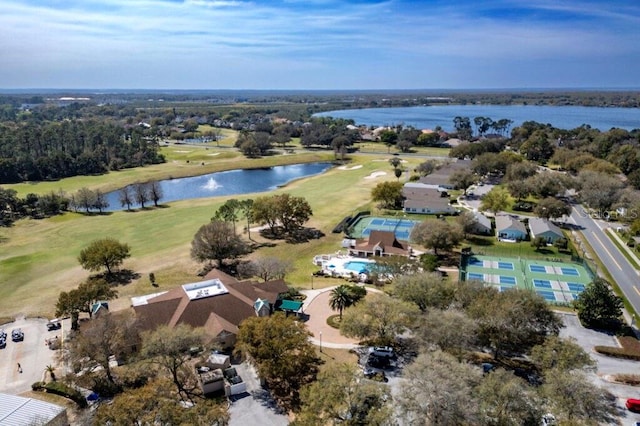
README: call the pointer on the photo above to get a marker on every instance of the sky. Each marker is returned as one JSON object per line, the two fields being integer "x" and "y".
{"x": 319, "y": 44}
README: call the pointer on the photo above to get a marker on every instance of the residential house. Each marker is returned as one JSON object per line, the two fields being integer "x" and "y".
{"x": 543, "y": 228}
{"x": 421, "y": 198}
{"x": 441, "y": 177}
{"x": 218, "y": 304}
{"x": 380, "y": 243}
{"x": 510, "y": 229}
{"x": 482, "y": 226}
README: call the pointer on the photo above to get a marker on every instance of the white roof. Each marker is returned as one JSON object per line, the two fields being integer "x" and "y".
{"x": 19, "y": 411}
{"x": 143, "y": 300}
{"x": 204, "y": 289}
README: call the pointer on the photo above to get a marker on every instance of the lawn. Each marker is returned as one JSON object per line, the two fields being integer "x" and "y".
{"x": 39, "y": 257}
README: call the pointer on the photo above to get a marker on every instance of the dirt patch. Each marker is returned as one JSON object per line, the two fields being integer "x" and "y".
{"x": 350, "y": 168}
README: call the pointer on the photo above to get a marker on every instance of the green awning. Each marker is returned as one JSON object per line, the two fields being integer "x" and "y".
{"x": 290, "y": 305}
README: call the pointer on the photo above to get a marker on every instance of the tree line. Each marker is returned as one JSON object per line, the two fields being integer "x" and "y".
{"x": 36, "y": 151}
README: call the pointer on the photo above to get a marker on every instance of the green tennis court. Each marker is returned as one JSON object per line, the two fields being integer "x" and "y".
{"x": 556, "y": 282}
{"x": 399, "y": 226}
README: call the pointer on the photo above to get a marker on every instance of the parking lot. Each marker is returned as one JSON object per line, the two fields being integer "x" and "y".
{"x": 32, "y": 354}
{"x": 606, "y": 366}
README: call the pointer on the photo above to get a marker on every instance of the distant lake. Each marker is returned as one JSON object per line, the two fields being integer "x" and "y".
{"x": 227, "y": 183}
{"x": 428, "y": 117}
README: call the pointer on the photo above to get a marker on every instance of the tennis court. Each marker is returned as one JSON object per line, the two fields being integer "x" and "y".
{"x": 556, "y": 282}
{"x": 400, "y": 227}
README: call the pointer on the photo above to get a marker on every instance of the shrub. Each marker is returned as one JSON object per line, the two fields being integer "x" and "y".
{"x": 627, "y": 379}
{"x": 62, "y": 389}
{"x": 618, "y": 352}
{"x": 37, "y": 386}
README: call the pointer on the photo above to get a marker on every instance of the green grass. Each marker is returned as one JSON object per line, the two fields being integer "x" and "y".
{"x": 38, "y": 258}
{"x": 622, "y": 249}
{"x": 492, "y": 247}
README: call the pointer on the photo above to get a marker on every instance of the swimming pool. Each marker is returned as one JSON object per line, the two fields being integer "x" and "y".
{"x": 357, "y": 266}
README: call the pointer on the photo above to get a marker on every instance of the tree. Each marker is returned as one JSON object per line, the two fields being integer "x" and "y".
{"x": 81, "y": 299}
{"x": 537, "y": 147}
{"x": 379, "y": 319}
{"x": 436, "y": 234}
{"x": 420, "y": 288}
{"x": 388, "y": 194}
{"x": 228, "y": 212}
{"x": 341, "y": 298}
{"x": 520, "y": 171}
{"x": 397, "y": 173}
{"x": 341, "y": 396}
{"x": 85, "y": 198}
{"x": 426, "y": 167}
{"x": 217, "y": 241}
{"x": 506, "y": 400}
{"x": 246, "y": 207}
{"x": 512, "y": 321}
{"x": 519, "y": 189}
{"x": 168, "y": 348}
{"x": 556, "y": 353}
{"x": 462, "y": 179}
{"x": 451, "y": 330}
{"x": 574, "y": 399}
{"x": 395, "y": 162}
{"x": 439, "y": 391}
{"x": 463, "y": 127}
{"x": 156, "y": 403}
{"x": 155, "y": 192}
{"x": 467, "y": 221}
{"x": 106, "y": 335}
{"x": 598, "y": 305}
{"x": 389, "y": 138}
{"x": 279, "y": 348}
{"x": 552, "y": 208}
{"x": 599, "y": 191}
{"x": 268, "y": 268}
{"x": 288, "y": 211}
{"x": 106, "y": 253}
{"x": 141, "y": 193}
{"x": 495, "y": 200}
{"x": 125, "y": 197}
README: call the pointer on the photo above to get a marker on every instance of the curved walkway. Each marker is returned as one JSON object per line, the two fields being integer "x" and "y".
{"x": 316, "y": 306}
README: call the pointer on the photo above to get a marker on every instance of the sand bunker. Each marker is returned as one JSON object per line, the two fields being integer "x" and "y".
{"x": 350, "y": 168}
{"x": 375, "y": 175}
{"x": 215, "y": 153}
{"x": 184, "y": 152}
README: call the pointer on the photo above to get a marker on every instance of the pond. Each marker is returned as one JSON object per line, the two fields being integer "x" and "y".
{"x": 231, "y": 182}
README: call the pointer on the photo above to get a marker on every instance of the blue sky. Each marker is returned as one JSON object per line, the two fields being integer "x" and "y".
{"x": 319, "y": 44}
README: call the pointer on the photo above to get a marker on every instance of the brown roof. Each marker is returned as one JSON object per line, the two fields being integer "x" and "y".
{"x": 222, "y": 312}
{"x": 384, "y": 239}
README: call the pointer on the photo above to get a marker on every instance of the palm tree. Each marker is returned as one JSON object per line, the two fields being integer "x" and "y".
{"x": 51, "y": 370}
{"x": 341, "y": 298}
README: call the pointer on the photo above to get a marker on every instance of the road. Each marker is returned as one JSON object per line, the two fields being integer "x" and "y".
{"x": 616, "y": 263}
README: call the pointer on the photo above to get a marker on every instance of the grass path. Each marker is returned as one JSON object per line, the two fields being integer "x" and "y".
{"x": 38, "y": 259}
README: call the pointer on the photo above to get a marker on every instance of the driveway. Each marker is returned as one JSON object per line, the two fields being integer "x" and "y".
{"x": 32, "y": 354}
{"x": 606, "y": 366}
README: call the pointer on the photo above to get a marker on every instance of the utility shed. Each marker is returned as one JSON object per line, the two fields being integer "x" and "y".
{"x": 19, "y": 411}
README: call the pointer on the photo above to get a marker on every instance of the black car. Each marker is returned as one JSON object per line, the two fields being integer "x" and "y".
{"x": 3, "y": 334}
{"x": 17, "y": 335}
{"x": 54, "y": 325}
{"x": 378, "y": 361}
{"x": 3, "y": 342}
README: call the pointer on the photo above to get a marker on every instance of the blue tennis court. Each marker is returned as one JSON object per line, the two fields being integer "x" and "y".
{"x": 505, "y": 265}
{"x": 503, "y": 288}
{"x": 547, "y": 295}
{"x": 475, "y": 262}
{"x": 577, "y": 287}
{"x": 507, "y": 280}
{"x": 542, "y": 283}
{"x": 537, "y": 268}
{"x": 475, "y": 276}
{"x": 377, "y": 222}
{"x": 570, "y": 271}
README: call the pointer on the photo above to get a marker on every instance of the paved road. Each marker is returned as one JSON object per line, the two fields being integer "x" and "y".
{"x": 621, "y": 270}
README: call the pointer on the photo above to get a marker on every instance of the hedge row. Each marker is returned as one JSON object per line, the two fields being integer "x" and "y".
{"x": 61, "y": 389}
{"x": 616, "y": 352}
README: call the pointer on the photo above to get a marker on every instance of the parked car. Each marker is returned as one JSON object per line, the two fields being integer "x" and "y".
{"x": 3, "y": 342}
{"x": 382, "y": 351}
{"x": 54, "y": 324}
{"x": 3, "y": 334}
{"x": 17, "y": 335}
{"x": 375, "y": 361}
{"x": 633, "y": 404}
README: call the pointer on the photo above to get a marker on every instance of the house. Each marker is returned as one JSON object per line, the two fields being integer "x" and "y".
{"x": 218, "y": 304}
{"x": 510, "y": 229}
{"x": 380, "y": 243}
{"x": 543, "y": 228}
{"x": 422, "y": 198}
{"x": 441, "y": 177}
{"x": 482, "y": 226}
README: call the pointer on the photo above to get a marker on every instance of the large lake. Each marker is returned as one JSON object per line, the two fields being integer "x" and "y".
{"x": 227, "y": 183}
{"x": 428, "y": 117}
